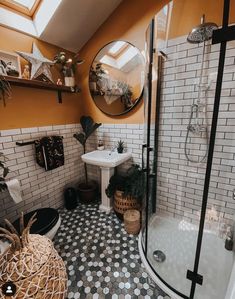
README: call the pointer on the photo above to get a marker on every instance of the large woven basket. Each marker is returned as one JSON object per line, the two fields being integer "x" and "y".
{"x": 122, "y": 204}
{"x": 132, "y": 221}
{"x": 33, "y": 265}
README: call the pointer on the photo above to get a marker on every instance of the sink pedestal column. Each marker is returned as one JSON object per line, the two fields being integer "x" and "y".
{"x": 106, "y": 174}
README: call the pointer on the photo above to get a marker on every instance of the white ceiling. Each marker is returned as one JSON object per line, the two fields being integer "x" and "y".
{"x": 75, "y": 21}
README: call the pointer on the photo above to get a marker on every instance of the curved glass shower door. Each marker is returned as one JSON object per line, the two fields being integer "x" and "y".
{"x": 183, "y": 246}
{"x": 218, "y": 268}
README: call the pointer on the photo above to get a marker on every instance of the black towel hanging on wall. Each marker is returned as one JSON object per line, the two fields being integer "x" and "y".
{"x": 50, "y": 152}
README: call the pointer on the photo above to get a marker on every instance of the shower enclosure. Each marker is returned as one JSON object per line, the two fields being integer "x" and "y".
{"x": 186, "y": 242}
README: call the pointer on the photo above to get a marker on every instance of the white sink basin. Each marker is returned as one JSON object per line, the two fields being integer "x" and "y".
{"x": 105, "y": 158}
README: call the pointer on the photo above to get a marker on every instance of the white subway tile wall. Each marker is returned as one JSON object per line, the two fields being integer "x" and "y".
{"x": 180, "y": 182}
{"x": 40, "y": 188}
{"x": 45, "y": 189}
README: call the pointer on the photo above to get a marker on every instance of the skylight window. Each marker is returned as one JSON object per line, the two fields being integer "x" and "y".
{"x": 26, "y": 3}
{"x": 17, "y": 14}
{"x": 120, "y": 62}
{"x": 25, "y": 7}
{"x": 116, "y": 47}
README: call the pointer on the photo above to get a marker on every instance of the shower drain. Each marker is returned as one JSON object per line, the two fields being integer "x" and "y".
{"x": 159, "y": 256}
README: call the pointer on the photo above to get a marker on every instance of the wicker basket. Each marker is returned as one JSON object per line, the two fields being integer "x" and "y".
{"x": 33, "y": 265}
{"x": 132, "y": 221}
{"x": 122, "y": 204}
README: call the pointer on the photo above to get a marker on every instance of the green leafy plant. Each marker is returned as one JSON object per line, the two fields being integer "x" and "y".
{"x": 127, "y": 94}
{"x": 96, "y": 72}
{"x": 132, "y": 184}
{"x": 5, "y": 90}
{"x": 4, "y": 173}
{"x": 68, "y": 65}
{"x": 88, "y": 126}
{"x": 120, "y": 146}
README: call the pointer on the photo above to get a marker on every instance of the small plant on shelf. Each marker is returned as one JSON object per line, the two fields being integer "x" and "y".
{"x": 4, "y": 172}
{"x": 86, "y": 189}
{"x": 5, "y": 90}
{"x": 68, "y": 67}
{"x": 120, "y": 146}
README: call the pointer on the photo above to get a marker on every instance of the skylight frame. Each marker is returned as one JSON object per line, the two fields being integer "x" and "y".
{"x": 119, "y": 52}
{"x": 16, "y": 7}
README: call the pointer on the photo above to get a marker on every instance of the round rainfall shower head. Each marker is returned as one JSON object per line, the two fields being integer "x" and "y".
{"x": 202, "y": 32}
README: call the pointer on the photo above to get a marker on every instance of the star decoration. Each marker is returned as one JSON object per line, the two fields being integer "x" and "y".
{"x": 39, "y": 64}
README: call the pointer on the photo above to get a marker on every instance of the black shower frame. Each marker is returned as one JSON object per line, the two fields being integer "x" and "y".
{"x": 222, "y": 36}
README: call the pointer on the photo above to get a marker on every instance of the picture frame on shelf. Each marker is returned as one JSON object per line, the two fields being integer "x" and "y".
{"x": 10, "y": 64}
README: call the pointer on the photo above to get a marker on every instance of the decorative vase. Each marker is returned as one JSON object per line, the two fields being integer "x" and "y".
{"x": 69, "y": 81}
{"x": 31, "y": 267}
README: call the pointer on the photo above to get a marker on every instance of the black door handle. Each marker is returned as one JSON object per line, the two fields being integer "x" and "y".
{"x": 143, "y": 166}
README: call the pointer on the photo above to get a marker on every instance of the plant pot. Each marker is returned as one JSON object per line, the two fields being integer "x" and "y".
{"x": 122, "y": 204}
{"x": 120, "y": 150}
{"x": 69, "y": 81}
{"x": 87, "y": 192}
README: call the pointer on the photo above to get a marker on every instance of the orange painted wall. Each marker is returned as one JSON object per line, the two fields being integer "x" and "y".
{"x": 34, "y": 107}
{"x": 186, "y": 14}
{"x": 129, "y": 22}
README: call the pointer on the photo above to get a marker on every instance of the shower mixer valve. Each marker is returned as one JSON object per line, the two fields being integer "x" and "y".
{"x": 197, "y": 129}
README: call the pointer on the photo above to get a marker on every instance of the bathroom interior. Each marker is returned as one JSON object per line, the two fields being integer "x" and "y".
{"x": 157, "y": 75}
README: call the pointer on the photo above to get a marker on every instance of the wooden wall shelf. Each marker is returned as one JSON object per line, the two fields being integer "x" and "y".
{"x": 41, "y": 85}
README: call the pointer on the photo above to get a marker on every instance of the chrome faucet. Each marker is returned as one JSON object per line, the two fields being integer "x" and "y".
{"x": 112, "y": 150}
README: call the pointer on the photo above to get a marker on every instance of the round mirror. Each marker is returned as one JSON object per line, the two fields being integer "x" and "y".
{"x": 117, "y": 78}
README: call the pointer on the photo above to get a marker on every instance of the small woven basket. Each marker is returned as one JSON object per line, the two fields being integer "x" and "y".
{"x": 132, "y": 221}
{"x": 32, "y": 264}
{"x": 122, "y": 204}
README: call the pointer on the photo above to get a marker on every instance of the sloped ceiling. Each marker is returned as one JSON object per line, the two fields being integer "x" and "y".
{"x": 75, "y": 21}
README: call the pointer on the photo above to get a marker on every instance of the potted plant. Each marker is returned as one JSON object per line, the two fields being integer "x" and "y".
{"x": 120, "y": 146}
{"x": 68, "y": 67}
{"x": 126, "y": 94}
{"x": 127, "y": 190}
{"x": 95, "y": 75}
{"x": 5, "y": 90}
{"x": 4, "y": 172}
{"x": 87, "y": 189}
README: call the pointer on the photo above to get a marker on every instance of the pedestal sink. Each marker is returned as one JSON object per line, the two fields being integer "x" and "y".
{"x": 107, "y": 161}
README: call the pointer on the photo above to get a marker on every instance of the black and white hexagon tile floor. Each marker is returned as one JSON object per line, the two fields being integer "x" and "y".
{"x": 102, "y": 260}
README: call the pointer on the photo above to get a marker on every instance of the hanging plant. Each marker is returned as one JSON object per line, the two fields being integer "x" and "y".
{"x": 5, "y": 90}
